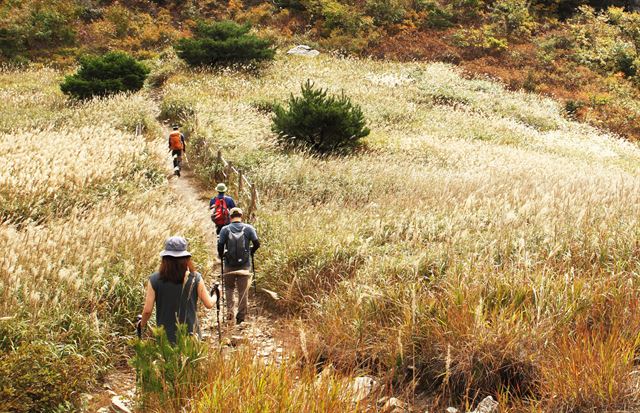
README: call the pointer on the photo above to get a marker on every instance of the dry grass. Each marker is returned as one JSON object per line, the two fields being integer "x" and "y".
{"x": 475, "y": 238}
{"x": 83, "y": 215}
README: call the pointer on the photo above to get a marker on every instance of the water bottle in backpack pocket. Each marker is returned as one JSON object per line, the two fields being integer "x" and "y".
{"x": 238, "y": 253}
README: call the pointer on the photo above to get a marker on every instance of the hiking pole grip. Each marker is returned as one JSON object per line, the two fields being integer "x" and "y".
{"x": 139, "y": 326}
{"x": 216, "y": 290}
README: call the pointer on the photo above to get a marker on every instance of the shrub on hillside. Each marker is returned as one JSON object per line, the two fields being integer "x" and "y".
{"x": 223, "y": 43}
{"x": 111, "y": 73}
{"x": 386, "y": 12}
{"x": 320, "y": 122}
{"x": 512, "y": 18}
{"x": 33, "y": 378}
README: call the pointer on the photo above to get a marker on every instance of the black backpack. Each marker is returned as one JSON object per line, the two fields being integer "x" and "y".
{"x": 238, "y": 253}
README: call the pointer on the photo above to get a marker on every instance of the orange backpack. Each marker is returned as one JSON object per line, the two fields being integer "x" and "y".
{"x": 175, "y": 141}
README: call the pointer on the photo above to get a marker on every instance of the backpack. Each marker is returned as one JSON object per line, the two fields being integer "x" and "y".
{"x": 175, "y": 141}
{"x": 220, "y": 212}
{"x": 237, "y": 249}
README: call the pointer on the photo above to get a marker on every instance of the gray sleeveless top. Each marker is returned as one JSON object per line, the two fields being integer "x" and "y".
{"x": 176, "y": 303}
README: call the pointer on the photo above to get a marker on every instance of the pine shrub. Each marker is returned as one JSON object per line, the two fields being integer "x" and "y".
{"x": 223, "y": 43}
{"x": 320, "y": 122}
{"x": 111, "y": 73}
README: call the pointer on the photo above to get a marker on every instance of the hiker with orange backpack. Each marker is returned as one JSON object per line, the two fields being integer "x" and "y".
{"x": 177, "y": 147}
{"x": 220, "y": 205}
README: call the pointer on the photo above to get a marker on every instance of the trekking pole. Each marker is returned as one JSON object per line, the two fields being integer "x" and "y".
{"x": 255, "y": 281}
{"x": 255, "y": 285}
{"x": 222, "y": 281}
{"x": 216, "y": 291}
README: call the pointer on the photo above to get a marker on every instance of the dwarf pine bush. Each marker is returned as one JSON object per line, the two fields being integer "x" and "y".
{"x": 104, "y": 75}
{"x": 223, "y": 43}
{"x": 320, "y": 122}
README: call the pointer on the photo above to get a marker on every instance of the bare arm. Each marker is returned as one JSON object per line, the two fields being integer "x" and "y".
{"x": 149, "y": 301}
{"x": 208, "y": 300}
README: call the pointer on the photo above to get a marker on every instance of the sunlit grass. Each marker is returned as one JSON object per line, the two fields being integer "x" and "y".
{"x": 472, "y": 239}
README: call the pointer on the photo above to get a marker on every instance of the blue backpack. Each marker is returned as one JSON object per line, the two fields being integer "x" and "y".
{"x": 238, "y": 253}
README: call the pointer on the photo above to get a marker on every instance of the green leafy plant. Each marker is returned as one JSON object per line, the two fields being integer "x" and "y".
{"x": 169, "y": 374}
{"x": 320, "y": 122}
{"x": 223, "y": 43}
{"x": 111, "y": 73}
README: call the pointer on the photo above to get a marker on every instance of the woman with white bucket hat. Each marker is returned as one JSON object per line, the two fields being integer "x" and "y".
{"x": 175, "y": 289}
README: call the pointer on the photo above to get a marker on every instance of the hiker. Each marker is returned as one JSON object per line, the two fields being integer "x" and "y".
{"x": 237, "y": 261}
{"x": 175, "y": 289}
{"x": 177, "y": 146}
{"x": 220, "y": 205}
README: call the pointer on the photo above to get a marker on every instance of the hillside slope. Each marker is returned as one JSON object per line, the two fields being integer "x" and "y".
{"x": 482, "y": 244}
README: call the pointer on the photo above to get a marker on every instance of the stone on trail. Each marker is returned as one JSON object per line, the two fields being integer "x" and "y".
{"x": 452, "y": 410}
{"x": 303, "y": 50}
{"x": 487, "y": 405}
{"x": 118, "y": 404}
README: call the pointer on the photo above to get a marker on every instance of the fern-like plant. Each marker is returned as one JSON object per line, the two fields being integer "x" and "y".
{"x": 168, "y": 374}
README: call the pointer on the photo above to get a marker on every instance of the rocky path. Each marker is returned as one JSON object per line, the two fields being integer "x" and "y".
{"x": 260, "y": 329}
{"x": 260, "y": 332}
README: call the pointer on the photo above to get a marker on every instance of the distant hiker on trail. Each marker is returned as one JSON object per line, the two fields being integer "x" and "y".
{"x": 175, "y": 289}
{"x": 177, "y": 146}
{"x": 237, "y": 256}
{"x": 220, "y": 205}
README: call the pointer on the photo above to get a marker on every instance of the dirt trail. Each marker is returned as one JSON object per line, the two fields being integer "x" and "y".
{"x": 259, "y": 329}
{"x": 259, "y": 332}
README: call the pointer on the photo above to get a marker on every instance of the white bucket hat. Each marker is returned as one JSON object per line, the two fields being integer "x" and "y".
{"x": 175, "y": 247}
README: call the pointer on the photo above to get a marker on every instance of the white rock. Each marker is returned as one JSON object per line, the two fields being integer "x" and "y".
{"x": 487, "y": 405}
{"x": 118, "y": 404}
{"x": 104, "y": 410}
{"x": 452, "y": 410}
{"x": 303, "y": 50}
{"x": 394, "y": 405}
{"x": 362, "y": 387}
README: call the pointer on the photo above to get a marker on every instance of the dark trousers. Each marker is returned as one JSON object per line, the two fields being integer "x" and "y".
{"x": 177, "y": 157}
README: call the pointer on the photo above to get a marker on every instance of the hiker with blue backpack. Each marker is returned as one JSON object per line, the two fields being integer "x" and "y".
{"x": 237, "y": 244}
{"x": 220, "y": 205}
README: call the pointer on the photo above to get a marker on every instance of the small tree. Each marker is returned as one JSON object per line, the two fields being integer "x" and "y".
{"x": 320, "y": 122}
{"x": 111, "y": 73}
{"x": 223, "y": 43}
